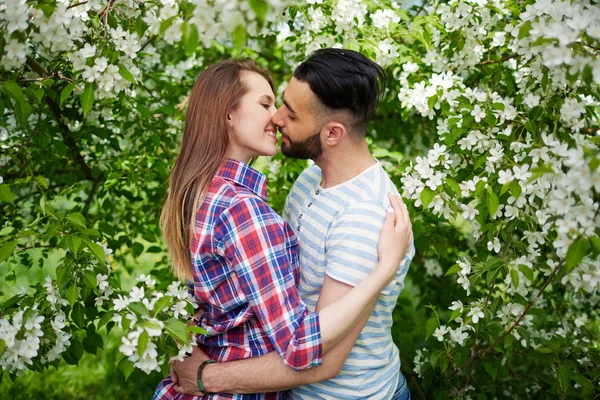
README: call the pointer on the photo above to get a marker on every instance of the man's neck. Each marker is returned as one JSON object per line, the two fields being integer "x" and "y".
{"x": 343, "y": 164}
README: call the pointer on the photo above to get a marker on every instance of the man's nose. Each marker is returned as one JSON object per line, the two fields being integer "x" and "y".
{"x": 277, "y": 118}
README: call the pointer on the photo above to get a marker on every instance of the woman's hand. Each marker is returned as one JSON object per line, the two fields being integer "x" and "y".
{"x": 395, "y": 237}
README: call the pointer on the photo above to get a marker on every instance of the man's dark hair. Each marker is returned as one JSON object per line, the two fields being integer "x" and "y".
{"x": 344, "y": 80}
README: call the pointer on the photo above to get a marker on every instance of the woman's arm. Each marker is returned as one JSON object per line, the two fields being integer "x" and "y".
{"x": 268, "y": 373}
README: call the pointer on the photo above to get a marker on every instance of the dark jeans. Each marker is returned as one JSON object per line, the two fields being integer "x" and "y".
{"x": 402, "y": 392}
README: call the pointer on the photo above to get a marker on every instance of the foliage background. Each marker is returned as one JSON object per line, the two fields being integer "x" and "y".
{"x": 93, "y": 97}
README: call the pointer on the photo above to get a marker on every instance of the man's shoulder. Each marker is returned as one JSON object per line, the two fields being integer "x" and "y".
{"x": 308, "y": 179}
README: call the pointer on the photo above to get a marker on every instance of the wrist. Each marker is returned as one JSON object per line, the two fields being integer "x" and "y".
{"x": 200, "y": 377}
{"x": 210, "y": 378}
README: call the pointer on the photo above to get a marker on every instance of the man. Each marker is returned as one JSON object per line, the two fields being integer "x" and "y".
{"x": 337, "y": 208}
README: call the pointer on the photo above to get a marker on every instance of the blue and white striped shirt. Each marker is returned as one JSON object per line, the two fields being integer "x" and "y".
{"x": 338, "y": 230}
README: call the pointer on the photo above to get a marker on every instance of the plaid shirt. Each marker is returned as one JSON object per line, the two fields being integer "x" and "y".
{"x": 245, "y": 265}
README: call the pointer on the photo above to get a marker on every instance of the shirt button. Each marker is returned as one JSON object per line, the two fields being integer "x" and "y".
{"x": 299, "y": 216}
{"x": 317, "y": 192}
{"x": 309, "y": 204}
{"x": 298, "y": 227}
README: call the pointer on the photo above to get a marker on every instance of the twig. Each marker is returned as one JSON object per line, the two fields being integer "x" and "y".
{"x": 103, "y": 15}
{"x": 88, "y": 201}
{"x": 150, "y": 40}
{"x": 418, "y": 11}
{"x": 486, "y": 62}
{"x": 76, "y": 5}
{"x": 487, "y": 300}
{"x": 46, "y": 246}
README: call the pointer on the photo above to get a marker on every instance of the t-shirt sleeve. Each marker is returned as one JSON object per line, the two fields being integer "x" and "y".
{"x": 351, "y": 247}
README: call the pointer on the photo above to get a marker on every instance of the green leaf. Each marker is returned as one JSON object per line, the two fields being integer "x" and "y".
{"x": 2, "y": 346}
{"x": 515, "y": 189}
{"x": 126, "y": 74}
{"x": 490, "y": 118}
{"x": 177, "y": 330}
{"x": 595, "y": 242}
{"x": 498, "y": 106}
{"x": 87, "y": 98}
{"x": 161, "y": 304}
{"x": 97, "y": 250}
{"x": 76, "y": 219}
{"x": 430, "y": 326}
{"x": 22, "y": 111}
{"x": 492, "y": 201}
{"x": 526, "y": 271}
{"x": 6, "y": 194}
{"x": 137, "y": 249}
{"x": 431, "y": 102}
{"x": 452, "y": 270}
{"x": 514, "y": 277}
{"x": 127, "y": 368}
{"x": 72, "y": 294}
{"x": 524, "y": 30}
{"x": 454, "y": 314}
{"x": 13, "y": 90}
{"x": 575, "y": 254}
{"x": 142, "y": 343}
{"x": 535, "y": 113}
{"x": 138, "y": 308}
{"x": 78, "y": 315}
{"x": 564, "y": 374}
{"x": 454, "y": 186}
{"x": 426, "y": 196}
{"x": 105, "y": 319}
{"x": 435, "y": 357}
{"x": 260, "y": 8}
{"x": 39, "y": 94}
{"x": 239, "y": 37}
{"x": 66, "y": 92}
{"x": 6, "y": 250}
{"x": 90, "y": 280}
{"x": 491, "y": 370}
{"x": 531, "y": 127}
{"x": 190, "y": 38}
{"x": 583, "y": 381}
{"x": 196, "y": 329}
{"x": 12, "y": 301}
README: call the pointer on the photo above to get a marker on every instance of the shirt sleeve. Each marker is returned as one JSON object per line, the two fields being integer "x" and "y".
{"x": 253, "y": 238}
{"x": 351, "y": 247}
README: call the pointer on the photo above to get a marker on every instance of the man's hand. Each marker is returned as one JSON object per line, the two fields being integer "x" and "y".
{"x": 184, "y": 373}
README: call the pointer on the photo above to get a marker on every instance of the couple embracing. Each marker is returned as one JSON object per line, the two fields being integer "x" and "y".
{"x": 296, "y": 307}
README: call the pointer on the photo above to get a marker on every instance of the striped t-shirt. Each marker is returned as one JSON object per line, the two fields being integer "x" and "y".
{"x": 338, "y": 230}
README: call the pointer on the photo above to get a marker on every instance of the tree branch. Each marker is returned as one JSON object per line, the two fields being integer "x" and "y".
{"x": 88, "y": 201}
{"x": 418, "y": 11}
{"x": 76, "y": 5}
{"x": 55, "y": 111}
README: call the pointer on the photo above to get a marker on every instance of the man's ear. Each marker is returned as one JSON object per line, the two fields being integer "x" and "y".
{"x": 335, "y": 133}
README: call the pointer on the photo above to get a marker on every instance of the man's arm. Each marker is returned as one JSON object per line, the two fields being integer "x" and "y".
{"x": 268, "y": 373}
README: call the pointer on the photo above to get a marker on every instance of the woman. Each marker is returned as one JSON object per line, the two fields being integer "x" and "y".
{"x": 240, "y": 256}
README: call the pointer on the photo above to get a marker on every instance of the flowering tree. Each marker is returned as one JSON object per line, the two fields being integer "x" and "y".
{"x": 489, "y": 124}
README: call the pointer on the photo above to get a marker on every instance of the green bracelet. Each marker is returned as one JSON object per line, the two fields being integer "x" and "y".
{"x": 199, "y": 376}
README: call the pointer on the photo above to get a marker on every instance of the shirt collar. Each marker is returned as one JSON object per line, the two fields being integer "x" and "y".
{"x": 244, "y": 175}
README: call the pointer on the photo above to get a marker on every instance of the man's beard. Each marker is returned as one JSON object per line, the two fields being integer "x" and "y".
{"x": 310, "y": 148}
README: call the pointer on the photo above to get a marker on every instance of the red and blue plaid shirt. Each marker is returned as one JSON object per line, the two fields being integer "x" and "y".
{"x": 245, "y": 265}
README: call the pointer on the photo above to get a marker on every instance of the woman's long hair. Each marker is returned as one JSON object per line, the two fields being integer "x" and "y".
{"x": 205, "y": 145}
